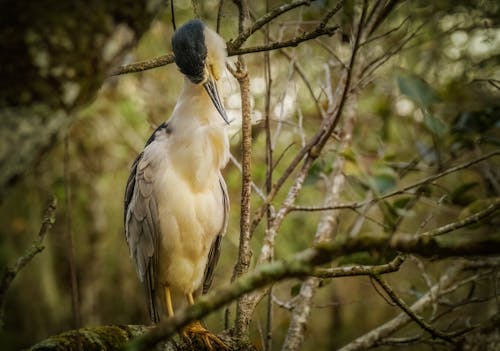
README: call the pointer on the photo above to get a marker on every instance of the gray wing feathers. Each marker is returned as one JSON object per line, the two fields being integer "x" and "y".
{"x": 142, "y": 228}
{"x": 214, "y": 253}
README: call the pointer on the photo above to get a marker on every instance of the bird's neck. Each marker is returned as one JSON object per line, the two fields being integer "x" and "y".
{"x": 195, "y": 108}
{"x": 199, "y": 132}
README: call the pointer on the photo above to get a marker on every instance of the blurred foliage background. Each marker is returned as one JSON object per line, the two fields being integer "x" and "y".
{"x": 433, "y": 104}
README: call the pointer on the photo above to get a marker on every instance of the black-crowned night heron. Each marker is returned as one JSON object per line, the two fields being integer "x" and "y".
{"x": 176, "y": 202}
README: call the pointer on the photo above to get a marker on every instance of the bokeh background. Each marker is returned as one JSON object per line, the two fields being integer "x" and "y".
{"x": 446, "y": 66}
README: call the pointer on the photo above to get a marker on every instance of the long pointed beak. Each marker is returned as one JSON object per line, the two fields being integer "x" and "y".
{"x": 212, "y": 91}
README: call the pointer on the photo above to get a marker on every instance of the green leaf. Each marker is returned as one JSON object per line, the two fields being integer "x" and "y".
{"x": 382, "y": 182}
{"x": 461, "y": 195}
{"x": 417, "y": 89}
{"x": 349, "y": 155}
{"x": 402, "y": 202}
{"x": 295, "y": 290}
{"x": 316, "y": 170}
{"x": 435, "y": 125}
{"x": 313, "y": 174}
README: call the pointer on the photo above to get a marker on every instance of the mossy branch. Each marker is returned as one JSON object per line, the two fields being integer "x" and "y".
{"x": 305, "y": 263}
{"x": 116, "y": 337}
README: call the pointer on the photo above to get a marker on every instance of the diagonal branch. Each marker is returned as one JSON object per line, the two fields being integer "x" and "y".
{"x": 401, "y": 304}
{"x": 304, "y": 264}
{"x": 11, "y": 271}
{"x": 330, "y": 30}
{"x": 357, "y": 270}
{"x": 474, "y": 218}
{"x": 268, "y": 17}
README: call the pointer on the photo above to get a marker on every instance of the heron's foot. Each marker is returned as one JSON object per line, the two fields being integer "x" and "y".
{"x": 197, "y": 331}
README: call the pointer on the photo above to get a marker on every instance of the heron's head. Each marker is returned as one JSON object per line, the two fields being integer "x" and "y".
{"x": 200, "y": 54}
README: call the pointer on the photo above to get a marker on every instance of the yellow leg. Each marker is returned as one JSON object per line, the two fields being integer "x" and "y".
{"x": 168, "y": 302}
{"x": 190, "y": 298}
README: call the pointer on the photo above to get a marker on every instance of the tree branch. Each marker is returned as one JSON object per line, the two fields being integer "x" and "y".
{"x": 357, "y": 270}
{"x": 476, "y": 217}
{"x": 358, "y": 204}
{"x": 244, "y": 252}
{"x": 234, "y": 46}
{"x": 144, "y": 65}
{"x": 268, "y": 17}
{"x": 401, "y": 304}
{"x": 375, "y": 336}
{"x": 304, "y": 264}
{"x": 116, "y": 337}
{"x": 330, "y": 30}
{"x": 11, "y": 271}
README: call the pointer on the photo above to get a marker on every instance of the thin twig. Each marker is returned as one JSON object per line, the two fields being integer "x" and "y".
{"x": 330, "y": 30}
{"x": 404, "y": 190}
{"x": 474, "y": 218}
{"x": 418, "y": 319}
{"x": 312, "y": 150}
{"x": 255, "y": 188}
{"x": 172, "y": 13}
{"x": 265, "y": 19}
{"x": 300, "y": 71}
{"x": 219, "y": 15}
{"x": 11, "y": 271}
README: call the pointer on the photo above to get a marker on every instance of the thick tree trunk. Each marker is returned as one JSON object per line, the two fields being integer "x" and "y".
{"x": 55, "y": 56}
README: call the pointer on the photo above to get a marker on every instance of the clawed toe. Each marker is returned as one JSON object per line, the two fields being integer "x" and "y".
{"x": 197, "y": 331}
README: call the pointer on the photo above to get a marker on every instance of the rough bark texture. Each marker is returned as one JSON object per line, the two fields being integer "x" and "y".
{"x": 116, "y": 337}
{"x": 56, "y": 55}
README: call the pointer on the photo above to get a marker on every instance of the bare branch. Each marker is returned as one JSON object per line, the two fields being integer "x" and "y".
{"x": 255, "y": 188}
{"x": 11, "y": 271}
{"x": 268, "y": 17}
{"x": 219, "y": 15}
{"x": 418, "y": 319}
{"x": 476, "y": 217}
{"x": 375, "y": 336}
{"x": 404, "y": 190}
{"x": 302, "y": 75}
{"x": 144, "y": 65}
{"x": 172, "y": 13}
{"x": 243, "y": 313}
{"x": 350, "y": 271}
{"x": 330, "y": 30}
